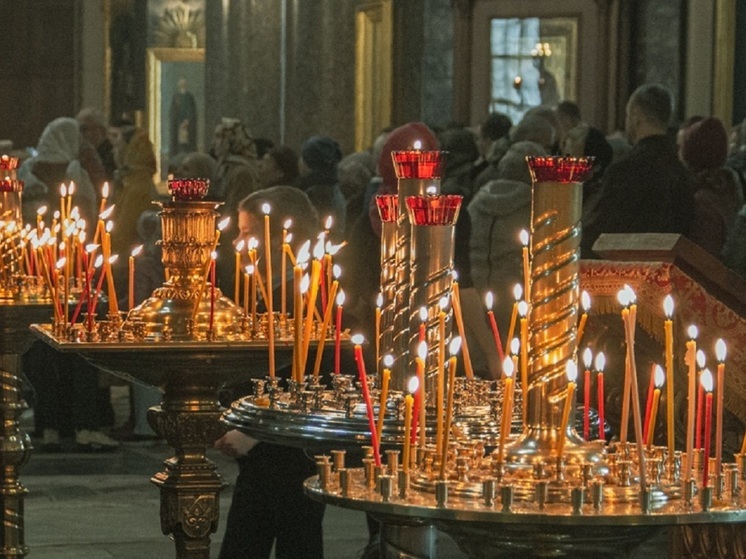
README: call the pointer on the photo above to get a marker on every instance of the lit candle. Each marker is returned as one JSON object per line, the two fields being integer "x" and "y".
{"x": 524, "y": 256}
{"x": 422, "y": 333}
{"x": 649, "y": 402}
{"x": 297, "y": 319}
{"x": 571, "y": 370}
{"x": 358, "y": 340}
{"x": 388, "y": 360}
{"x": 237, "y": 280}
{"x": 39, "y": 219}
{"x": 63, "y": 195}
{"x": 283, "y": 267}
{"x": 104, "y": 196}
{"x": 456, "y": 297}
{"x": 112, "y": 292}
{"x": 454, "y": 347}
{"x": 313, "y": 290}
{"x": 668, "y": 328}
{"x": 270, "y": 289}
{"x": 691, "y": 362}
{"x": 587, "y": 361}
{"x": 517, "y": 295}
{"x": 338, "y": 332}
{"x": 92, "y": 310}
{"x": 706, "y": 381}
{"x": 720, "y": 352}
{"x": 523, "y": 312}
{"x": 623, "y": 298}
{"x": 585, "y": 301}
{"x": 515, "y": 348}
{"x": 422, "y": 400}
{"x": 379, "y": 304}
{"x": 408, "y": 403}
{"x": 324, "y": 328}
{"x": 659, "y": 378}
{"x": 507, "y": 416}
{"x": 700, "y": 400}
{"x": 440, "y": 381}
{"x": 246, "y": 288}
{"x": 250, "y": 271}
{"x": 600, "y": 365}
{"x": 135, "y": 252}
{"x": 70, "y": 192}
{"x": 489, "y": 300}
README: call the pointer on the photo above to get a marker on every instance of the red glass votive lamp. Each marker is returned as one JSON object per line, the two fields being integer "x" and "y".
{"x": 185, "y": 190}
{"x": 388, "y": 207}
{"x": 10, "y": 185}
{"x": 8, "y": 163}
{"x": 417, "y": 164}
{"x": 434, "y": 210}
{"x": 560, "y": 169}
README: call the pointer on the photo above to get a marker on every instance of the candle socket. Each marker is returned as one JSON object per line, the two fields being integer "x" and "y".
{"x": 741, "y": 464}
{"x": 324, "y": 469}
{"x": 370, "y": 475}
{"x": 559, "y": 469}
{"x": 489, "y": 488}
{"x": 586, "y": 473}
{"x": 345, "y": 482}
{"x": 698, "y": 453}
{"x": 441, "y": 493}
{"x": 378, "y": 472}
{"x": 498, "y": 470}
{"x": 646, "y": 499}
{"x": 338, "y": 459}
{"x": 597, "y": 494}
{"x": 542, "y": 492}
{"x": 577, "y": 498}
{"x": 403, "y": 483}
{"x": 506, "y": 497}
{"x": 386, "y": 487}
{"x": 731, "y": 481}
{"x": 705, "y": 498}
{"x": 689, "y": 486}
{"x": 719, "y": 485}
{"x": 624, "y": 472}
{"x": 674, "y": 467}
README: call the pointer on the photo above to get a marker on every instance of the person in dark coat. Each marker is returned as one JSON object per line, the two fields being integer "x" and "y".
{"x": 648, "y": 191}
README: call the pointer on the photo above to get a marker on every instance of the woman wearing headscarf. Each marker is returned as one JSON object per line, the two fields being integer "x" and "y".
{"x": 56, "y": 162}
{"x": 234, "y": 151}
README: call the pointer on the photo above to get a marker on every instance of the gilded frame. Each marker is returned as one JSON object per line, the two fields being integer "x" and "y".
{"x": 162, "y": 63}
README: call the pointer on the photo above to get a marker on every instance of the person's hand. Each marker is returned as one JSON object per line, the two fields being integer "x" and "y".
{"x": 235, "y": 444}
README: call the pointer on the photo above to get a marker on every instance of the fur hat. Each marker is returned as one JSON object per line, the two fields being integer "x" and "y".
{"x": 705, "y": 144}
{"x": 321, "y": 153}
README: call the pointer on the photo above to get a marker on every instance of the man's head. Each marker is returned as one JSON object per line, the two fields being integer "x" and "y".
{"x": 568, "y": 116}
{"x": 496, "y": 126}
{"x": 92, "y": 125}
{"x": 649, "y": 111}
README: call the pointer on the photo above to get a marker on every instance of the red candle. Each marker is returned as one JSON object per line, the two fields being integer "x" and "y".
{"x": 587, "y": 360}
{"x": 600, "y": 364}
{"x": 493, "y": 324}
{"x": 212, "y": 291}
{"x": 357, "y": 340}
{"x": 415, "y": 416}
{"x": 706, "y": 382}
{"x": 423, "y": 325}
{"x": 698, "y": 427}
{"x": 338, "y": 331}
{"x": 649, "y": 403}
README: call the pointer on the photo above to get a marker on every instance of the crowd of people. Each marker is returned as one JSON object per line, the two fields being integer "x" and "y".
{"x": 654, "y": 178}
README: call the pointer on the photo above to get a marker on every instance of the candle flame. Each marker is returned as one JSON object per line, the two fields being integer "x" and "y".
{"x": 423, "y": 314}
{"x": 489, "y": 299}
{"x": 249, "y": 269}
{"x": 414, "y": 384}
{"x": 239, "y": 245}
{"x": 287, "y": 224}
{"x": 720, "y": 350}
{"x": 137, "y": 250}
{"x": 508, "y": 367}
{"x": 515, "y": 346}
{"x": 107, "y": 212}
{"x": 701, "y": 359}
{"x": 214, "y": 255}
{"x": 523, "y": 236}
{"x": 431, "y": 190}
{"x": 379, "y": 300}
{"x": 113, "y": 258}
{"x": 600, "y": 362}
{"x": 692, "y": 332}
{"x": 289, "y": 238}
{"x": 41, "y": 211}
{"x": 659, "y": 377}
{"x": 517, "y": 292}
{"x": 71, "y": 189}
{"x": 109, "y": 226}
{"x": 61, "y": 263}
{"x": 357, "y": 339}
{"x": 623, "y": 298}
{"x": 304, "y": 283}
{"x": 455, "y": 345}
{"x": 454, "y": 275}
{"x": 340, "y": 298}
{"x": 443, "y": 303}
{"x": 336, "y": 271}
{"x": 265, "y": 208}
{"x": 56, "y": 214}
{"x": 105, "y": 190}
{"x": 318, "y": 249}
{"x": 585, "y": 300}
{"x": 417, "y": 144}
{"x": 668, "y": 306}
{"x": 706, "y": 380}
{"x": 99, "y": 261}
{"x": 224, "y": 223}
{"x": 388, "y": 360}
{"x": 630, "y": 294}
{"x": 571, "y": 370}
{"x": 523, "y": 309}
{"x": 63, "y": 190}
{"x": 587, "y": 358}
{"x": 328, "y": 222}
{"x": 253, "y": 243}
{"x": 422, "y": 350}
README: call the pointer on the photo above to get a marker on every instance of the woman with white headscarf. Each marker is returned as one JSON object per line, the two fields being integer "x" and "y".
{"x": 56, "y": 162}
